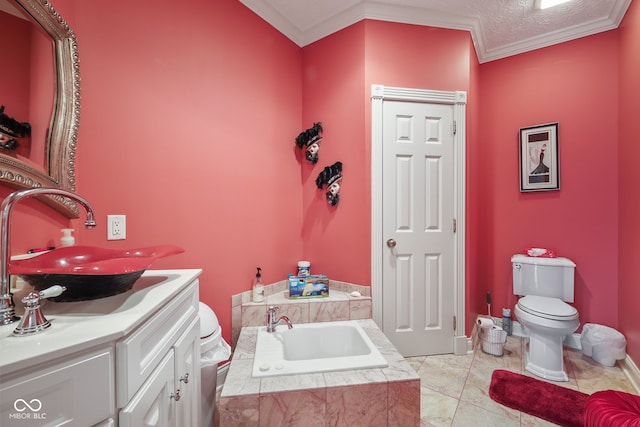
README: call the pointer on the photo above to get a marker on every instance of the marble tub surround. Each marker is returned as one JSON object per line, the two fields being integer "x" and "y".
{"x": 365, "y": 397}
{"x": 339, "y": 305}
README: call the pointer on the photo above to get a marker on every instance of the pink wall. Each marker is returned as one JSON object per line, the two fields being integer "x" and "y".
{"x": 194, "y": 121}
{"x": 31, "y": 219}
{"x": 412, "y": 56}
{"x": 42, "y": 86}
{"x": 629, "y": 181}
{"x": 336, "y": 239}
{"x": 415, "y": 56}
{"x": 27, "y": 91}
{"x": 575, "y": 84}
{"x": 188, "y": 128}
{"x": 14, "y": 90}
{"x": 425, "y": 58}
{"x": 338, "y": 71}
{"x": 475, "y": 291}
{"x": 15, "y": 78}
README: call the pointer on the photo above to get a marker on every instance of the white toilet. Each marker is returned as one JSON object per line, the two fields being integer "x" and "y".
{"x": 544, "y": 285}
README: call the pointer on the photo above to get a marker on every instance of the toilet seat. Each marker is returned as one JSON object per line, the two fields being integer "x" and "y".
{"x": 547, "y": 308}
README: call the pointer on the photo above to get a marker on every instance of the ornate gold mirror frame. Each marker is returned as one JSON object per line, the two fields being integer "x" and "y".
{"x": 63, "y": 132}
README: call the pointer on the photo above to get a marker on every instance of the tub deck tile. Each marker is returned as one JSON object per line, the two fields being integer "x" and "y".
{"x": 328, "y": 311}
{"x": 300, "y": 408}
{"x": 404, "y": 403}
{"x": 246, "y": 344}
{"x": 354, "y": 406}
{"x": 355, "y": 377}
{"x": 286, "y": 383}
{"x": 367, "y": 397}
{"x": 239, "y": 411}
{"x": 238, "y": 383}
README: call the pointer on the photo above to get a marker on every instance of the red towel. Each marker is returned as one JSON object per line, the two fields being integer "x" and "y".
{"x": 612, "y": 408}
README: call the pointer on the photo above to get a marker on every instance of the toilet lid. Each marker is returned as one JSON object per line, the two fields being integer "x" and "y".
{"x": 549, "y": 308}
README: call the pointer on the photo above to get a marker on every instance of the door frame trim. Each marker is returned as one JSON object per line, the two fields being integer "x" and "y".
{"x": 458, "y": 99}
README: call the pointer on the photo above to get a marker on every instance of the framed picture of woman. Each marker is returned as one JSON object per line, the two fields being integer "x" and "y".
{"x": 539, "y": 160}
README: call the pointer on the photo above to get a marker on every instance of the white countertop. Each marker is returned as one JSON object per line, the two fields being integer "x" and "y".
{"x": 76, "y": 326}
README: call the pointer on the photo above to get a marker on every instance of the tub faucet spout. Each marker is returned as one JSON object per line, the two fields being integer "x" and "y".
{"x": 272, "y": 323}
{"x": 7, "y": 307}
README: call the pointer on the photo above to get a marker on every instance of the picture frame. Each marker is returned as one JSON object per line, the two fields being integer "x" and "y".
{"x": 539, "y": 158}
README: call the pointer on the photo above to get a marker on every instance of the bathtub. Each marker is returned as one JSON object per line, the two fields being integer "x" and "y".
{"x": 315, "y": 347}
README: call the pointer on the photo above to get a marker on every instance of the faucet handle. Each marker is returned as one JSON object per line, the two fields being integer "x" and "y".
{"x": 33, "y": 320}
{"x": 53, "y": 291}
{"x": 33, "y": 298}
{"x": 271, "y": 312}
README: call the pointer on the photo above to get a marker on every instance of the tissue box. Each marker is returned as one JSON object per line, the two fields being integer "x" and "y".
{"x": 312, "y": 286}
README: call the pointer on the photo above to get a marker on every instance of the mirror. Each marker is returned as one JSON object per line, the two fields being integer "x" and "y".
{"x": 60, "y": 137}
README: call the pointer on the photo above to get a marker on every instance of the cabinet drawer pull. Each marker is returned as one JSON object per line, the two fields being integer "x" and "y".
{"x": 185, "y": 378}
{"x": 175, "y": 395}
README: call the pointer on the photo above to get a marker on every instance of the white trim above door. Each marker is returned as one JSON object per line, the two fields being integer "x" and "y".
{"x": 457, "y": 100}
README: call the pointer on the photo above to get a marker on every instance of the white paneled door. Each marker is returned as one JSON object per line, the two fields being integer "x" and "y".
{"x": 418, "y": 227}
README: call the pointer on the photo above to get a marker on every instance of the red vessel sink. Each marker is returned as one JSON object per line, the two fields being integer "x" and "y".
{"x": 89, "y": 272}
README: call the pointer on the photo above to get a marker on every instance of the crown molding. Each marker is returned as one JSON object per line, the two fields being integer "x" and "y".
{"x": 433, "y": 18}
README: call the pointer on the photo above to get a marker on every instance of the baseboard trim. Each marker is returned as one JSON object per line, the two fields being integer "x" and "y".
{"x": 631, "y": 371}
{"x": 460, "y": 345}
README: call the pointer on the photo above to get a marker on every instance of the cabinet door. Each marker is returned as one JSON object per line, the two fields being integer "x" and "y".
{"x": 139, "y": 353}
{"x": 153, "y": 405}
{"x": 187, "y": 351}
{"x": 78, "y": 391}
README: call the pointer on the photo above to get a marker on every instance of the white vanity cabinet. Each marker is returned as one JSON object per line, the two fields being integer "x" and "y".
{"x": 78, "y": 391}
{"x": 171, "y": 394}
{"x": 187, "y": 362}
{"x": 130, "y": 360}
{"x": 152, "y": 405}
{"x": 158, "y": 368}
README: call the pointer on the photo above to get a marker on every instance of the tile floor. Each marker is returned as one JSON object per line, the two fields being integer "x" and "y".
{"x": 455, "y": 389}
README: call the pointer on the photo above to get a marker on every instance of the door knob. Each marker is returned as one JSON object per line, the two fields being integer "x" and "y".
{"x": 391, "y": 243}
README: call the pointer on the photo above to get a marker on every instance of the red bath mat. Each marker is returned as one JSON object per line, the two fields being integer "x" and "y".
{"x": 541, "y": 399}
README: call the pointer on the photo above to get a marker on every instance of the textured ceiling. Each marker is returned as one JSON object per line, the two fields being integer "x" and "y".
{"x": 499, "y": 28}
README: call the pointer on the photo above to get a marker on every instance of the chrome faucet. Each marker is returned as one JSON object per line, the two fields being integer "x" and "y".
{"x": 271, "y": 319}
{"x": 7, "y": 307}
{"x": 33, "y": 320}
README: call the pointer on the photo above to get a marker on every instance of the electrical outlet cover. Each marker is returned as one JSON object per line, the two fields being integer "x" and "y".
{"x": 116, "y": 227}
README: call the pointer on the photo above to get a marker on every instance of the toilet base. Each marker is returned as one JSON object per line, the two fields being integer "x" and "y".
{"x": 544, "y": 357}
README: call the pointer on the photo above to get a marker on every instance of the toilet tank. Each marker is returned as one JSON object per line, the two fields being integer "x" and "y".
{"x": 545, "y": 277}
